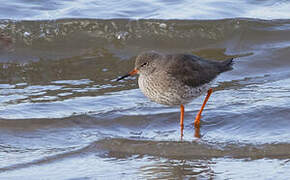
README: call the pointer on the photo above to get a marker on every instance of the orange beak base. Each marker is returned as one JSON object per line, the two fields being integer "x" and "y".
{"x": 135, "y": 71}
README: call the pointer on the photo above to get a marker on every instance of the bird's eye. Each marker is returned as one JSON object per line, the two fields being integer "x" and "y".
{"x": 144, "y": 64}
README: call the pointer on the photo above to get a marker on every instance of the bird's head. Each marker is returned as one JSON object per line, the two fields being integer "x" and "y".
{"x": 145, "y": 64}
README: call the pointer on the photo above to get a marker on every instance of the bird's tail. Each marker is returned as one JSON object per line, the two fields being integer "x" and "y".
{"x": 226, "y": 64}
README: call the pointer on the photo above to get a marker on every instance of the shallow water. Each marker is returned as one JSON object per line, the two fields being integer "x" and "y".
{"x": 64, "y": 116}
{"x": 150, "y": 9}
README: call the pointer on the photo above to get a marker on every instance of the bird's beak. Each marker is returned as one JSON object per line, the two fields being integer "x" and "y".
{"x": 135, "y": 71}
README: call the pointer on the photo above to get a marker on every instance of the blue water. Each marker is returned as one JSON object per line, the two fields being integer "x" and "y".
{"x": 138, "y": 9}
{"x": 63, "y": 115}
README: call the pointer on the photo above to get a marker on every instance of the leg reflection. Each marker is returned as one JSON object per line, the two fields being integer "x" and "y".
{"x": 197, "y": 132}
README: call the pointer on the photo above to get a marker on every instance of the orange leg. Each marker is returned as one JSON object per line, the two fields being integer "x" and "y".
{"x": 181, "y": 120}
{"x": 197, "y": 119}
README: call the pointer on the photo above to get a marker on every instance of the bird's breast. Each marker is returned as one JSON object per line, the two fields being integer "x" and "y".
{"x": 168, "y": 91}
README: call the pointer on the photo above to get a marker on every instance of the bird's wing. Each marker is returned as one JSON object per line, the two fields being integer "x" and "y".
{"x": 190, "y": 70}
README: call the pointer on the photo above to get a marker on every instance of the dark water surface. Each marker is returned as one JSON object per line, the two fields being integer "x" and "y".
{"x": 63, "y": 115}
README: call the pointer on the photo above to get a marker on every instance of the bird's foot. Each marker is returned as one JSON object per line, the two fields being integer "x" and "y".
{"x": 197, "y": 132}
{"x": 181, "y": 132}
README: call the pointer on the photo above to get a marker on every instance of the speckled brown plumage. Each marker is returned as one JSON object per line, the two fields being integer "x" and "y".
{"x": 178, "y": 78}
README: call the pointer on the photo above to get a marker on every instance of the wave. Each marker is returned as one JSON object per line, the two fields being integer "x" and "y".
{"x": 34, "y": 40}
{"x": 118, "y": 148}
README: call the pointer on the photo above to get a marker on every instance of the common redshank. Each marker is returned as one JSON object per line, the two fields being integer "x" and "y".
{"x": 176, "y": 79}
